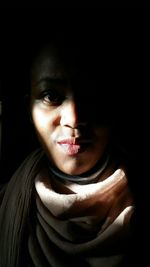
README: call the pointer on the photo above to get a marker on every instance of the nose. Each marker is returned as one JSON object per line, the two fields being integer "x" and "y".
{"x": 70, "y": 115}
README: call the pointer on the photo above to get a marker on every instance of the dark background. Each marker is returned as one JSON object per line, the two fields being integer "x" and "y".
{"x": 22, "y": 29}
{"x": 126, "y": 32}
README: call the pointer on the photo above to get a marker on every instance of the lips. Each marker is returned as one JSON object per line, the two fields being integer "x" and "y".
{"x": 73, "y": 146}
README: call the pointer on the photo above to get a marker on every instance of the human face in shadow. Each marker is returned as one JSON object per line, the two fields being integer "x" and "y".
{"x": 65, "y": 113}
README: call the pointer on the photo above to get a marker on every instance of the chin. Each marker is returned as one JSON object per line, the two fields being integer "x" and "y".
{"x": 73, "y": 165}
{"x": 74, "y": 170}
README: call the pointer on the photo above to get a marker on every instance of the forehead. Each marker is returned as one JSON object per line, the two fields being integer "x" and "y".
{"x": 75, "y": 59}
{"x": 56, "y": 60}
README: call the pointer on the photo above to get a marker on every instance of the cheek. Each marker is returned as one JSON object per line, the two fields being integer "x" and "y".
{"x": 42, "y": 122}
{"x": 45, "y": 116}
{"x": 45, "y": 122}
{"x": 39, "y": 119}
{"x": 42, "y": 126}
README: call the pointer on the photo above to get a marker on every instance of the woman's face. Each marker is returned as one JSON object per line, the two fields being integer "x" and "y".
{"x": 64, "y": 114}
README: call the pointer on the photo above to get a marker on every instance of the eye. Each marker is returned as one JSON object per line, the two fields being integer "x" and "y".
{"x": 51, "y": 97}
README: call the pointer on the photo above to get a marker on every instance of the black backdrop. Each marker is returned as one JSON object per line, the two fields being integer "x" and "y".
{"x": 20, "y": 30}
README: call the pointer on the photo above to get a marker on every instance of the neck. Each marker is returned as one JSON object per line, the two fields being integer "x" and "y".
{"x": 90, "y": 176}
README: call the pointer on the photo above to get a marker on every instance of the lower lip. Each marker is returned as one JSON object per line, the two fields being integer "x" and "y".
{"x": 71, "y": 150}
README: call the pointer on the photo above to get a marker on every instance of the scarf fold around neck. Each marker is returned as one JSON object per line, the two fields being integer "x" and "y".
{"x": 81, "y": 223}
{"x": 75, "y": 224}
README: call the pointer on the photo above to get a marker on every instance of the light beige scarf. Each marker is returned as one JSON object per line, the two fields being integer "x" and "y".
{"x": 81, "y": 224}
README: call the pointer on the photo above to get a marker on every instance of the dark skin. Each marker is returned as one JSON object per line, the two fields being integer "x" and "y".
{"x": 65, "y": 111}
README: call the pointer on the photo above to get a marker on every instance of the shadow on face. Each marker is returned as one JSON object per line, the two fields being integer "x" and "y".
{"x": 87, "y": 71}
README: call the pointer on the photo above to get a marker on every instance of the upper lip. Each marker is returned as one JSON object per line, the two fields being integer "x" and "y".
{"x": 73, "y": 141}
